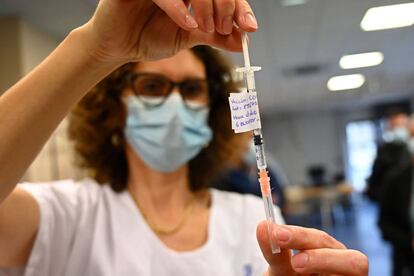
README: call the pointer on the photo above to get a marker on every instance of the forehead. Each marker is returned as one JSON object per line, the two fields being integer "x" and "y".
{"x": 183, "y": 65}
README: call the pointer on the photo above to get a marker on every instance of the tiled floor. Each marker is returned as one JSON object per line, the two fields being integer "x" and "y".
{"x": 361, "y": 233}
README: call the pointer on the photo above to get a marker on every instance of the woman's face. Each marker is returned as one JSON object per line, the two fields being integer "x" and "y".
{"x": 155, "y": 77}
{"x": 167, "y": 132}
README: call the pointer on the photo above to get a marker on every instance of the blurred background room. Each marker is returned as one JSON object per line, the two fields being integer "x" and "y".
{"x": 337, "y": 83}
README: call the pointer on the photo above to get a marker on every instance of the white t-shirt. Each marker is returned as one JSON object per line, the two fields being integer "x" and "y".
{"x": 88, "y": 229}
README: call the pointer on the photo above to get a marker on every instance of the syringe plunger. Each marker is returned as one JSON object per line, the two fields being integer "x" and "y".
{"x": 248, "y": 70}
{"x": 264, "y": 179}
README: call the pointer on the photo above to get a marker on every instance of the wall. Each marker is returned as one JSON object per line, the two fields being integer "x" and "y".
{"x": 56, "y": 160}
{"x": 35, "y": 46}
{"x": 300, "y": 140}
{"x": 10, "y": 59}
{"x": 22, "y": 48}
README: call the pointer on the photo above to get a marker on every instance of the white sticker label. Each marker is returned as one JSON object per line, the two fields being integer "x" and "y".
{"x": 244, "y": 112}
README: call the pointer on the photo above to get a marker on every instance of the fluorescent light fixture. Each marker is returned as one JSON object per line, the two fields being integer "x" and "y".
{"x": 388, "y": 17}
{"x": 287, "y": 3}
{"x": 361, "y": 60}
{"x": 346, "y": 82}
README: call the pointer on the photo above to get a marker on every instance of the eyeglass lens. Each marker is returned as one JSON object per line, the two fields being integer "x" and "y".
{"x": 155, "y": 88}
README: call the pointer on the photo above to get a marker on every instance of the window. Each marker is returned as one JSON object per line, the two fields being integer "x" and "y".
{"x": 361, "y": 145}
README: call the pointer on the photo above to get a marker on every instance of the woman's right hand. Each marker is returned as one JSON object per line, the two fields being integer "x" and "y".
{"x": 119, "y": 32}
{"x": 131, "y": 30}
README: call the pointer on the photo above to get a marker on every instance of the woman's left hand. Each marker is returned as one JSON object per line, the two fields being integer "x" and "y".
{"x": 319, "y": 253}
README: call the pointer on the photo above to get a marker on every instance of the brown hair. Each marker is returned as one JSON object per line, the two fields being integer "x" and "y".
{"x": 96, "y": 126}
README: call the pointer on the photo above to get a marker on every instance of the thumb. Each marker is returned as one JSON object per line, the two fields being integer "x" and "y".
{"x": 230, "y": 42}
{"x": 279, "y": 264}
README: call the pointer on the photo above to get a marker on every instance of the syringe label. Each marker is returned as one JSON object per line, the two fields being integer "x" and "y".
{"x": 244, "y": 112}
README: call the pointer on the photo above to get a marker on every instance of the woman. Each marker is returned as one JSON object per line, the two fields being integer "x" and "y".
{"x": 180, "y": 228}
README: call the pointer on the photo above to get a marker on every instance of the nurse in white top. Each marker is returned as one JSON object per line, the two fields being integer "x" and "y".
{"x": 153, "y": 133}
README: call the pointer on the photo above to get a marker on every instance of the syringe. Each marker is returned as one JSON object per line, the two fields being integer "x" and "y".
{"x": 264, "y": 179}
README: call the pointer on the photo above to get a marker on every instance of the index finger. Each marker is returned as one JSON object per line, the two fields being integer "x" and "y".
{"x": 244, "y": 16}
{"x": 178, "y": 11}
{"x": 301, "y": 238}
{"x": 331, "y": 262}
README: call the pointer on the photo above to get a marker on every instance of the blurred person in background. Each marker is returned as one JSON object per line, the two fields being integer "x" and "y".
{"x": 396, "y": 219}
{"x": 242, "y": 177}
{"x": 391, "y": 153}
{"x": 152, "y": 132}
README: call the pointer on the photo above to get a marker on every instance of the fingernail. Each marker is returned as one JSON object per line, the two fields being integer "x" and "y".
{"x": 250, "y": 20}
{"x": 209, "y": 24}
{"x": 300, "y": 260}
{"x": 190, "y": 21}
{"x": 283, "y": 234}
{"x": 227, "y": 24}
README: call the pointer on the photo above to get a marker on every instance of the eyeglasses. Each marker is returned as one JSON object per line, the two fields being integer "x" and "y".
{"x": 154, "y": 89}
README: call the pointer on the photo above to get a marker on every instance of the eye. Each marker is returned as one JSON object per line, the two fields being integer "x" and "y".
{"x": 151, "y": 86}
{"x": 193, "y": 88}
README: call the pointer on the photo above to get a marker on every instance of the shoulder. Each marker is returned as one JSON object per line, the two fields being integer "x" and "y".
{"x": 399, "y": 172}
{"x": 65, "y": 194}
{"x": 66, "y": 186}
{"x": 234, "y": 200}
{"x": 394, "y": 147}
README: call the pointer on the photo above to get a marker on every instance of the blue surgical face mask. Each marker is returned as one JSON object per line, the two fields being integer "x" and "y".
{"x": 398, "y": 134}
{"x": 168, "y": 136}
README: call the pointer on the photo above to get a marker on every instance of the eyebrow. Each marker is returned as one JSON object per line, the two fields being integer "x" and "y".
{"x": 164, "y": 75}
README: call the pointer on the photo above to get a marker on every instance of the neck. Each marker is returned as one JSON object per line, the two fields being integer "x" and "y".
{"x": 158, "y": 193}
{"x": 170, "y": 209}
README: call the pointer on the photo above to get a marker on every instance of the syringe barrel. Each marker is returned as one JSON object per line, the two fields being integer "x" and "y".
{"x": 260, "y": 154}
{"x": 260, "y": 158}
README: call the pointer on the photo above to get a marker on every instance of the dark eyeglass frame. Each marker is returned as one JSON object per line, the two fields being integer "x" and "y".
{"x": 134, "y": 76}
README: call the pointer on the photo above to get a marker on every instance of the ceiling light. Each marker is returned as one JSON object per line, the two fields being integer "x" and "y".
{"x": 388, "y": 17}
{"x": 361, "y": 60}
{"x": 346, "y": 82}
{"x": 287, "y": 3}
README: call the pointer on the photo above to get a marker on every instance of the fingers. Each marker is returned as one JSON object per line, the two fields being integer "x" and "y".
{"x": 204, "y": 14}
{"x": 300, "y": 238}
{"x": 224, "y": 15}
{"x": 210, "y": 15}
{"x": 331, "y": 261}
{"x": 244, "y": 16}
{"x": 319, "y": 253}
{"x": 230, "y": 42}
{"x": 178, "y": 12}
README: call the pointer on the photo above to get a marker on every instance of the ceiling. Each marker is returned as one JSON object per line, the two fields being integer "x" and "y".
{"x": 317, "y": 33}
